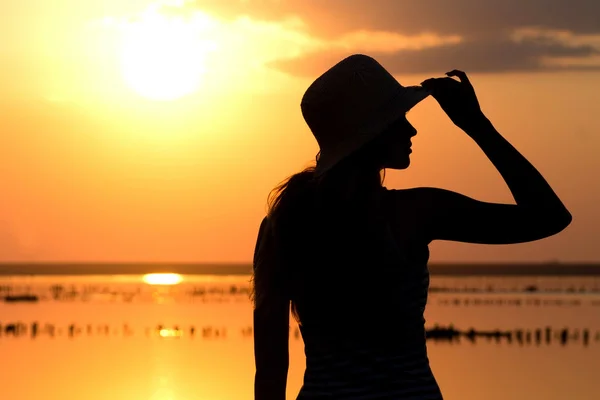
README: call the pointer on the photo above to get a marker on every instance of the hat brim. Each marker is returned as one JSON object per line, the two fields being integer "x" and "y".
{"x": 405, "y": 99}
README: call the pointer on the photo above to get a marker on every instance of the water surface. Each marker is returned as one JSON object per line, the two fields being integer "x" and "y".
{"x": 103, "y": 337}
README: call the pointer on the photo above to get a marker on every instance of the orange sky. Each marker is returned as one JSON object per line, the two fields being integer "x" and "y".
{"x": 135, "y": 131}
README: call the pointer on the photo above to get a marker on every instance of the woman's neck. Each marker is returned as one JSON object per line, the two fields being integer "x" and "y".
{"x": 359, "y": 183}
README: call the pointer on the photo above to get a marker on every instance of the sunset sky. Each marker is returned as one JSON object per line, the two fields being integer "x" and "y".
{"x": 153, "y": 131}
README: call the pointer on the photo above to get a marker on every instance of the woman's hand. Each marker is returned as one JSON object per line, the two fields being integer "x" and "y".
{"x": 457, "y": 99}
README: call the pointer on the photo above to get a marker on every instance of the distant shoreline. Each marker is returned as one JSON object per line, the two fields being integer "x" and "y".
{"x": 436, "y": 269}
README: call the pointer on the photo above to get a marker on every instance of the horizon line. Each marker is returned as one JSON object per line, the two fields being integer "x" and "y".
{"x": 513, "y": 268}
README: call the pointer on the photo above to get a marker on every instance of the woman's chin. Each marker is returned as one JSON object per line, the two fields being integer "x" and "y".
{"x": 400, "y": 164}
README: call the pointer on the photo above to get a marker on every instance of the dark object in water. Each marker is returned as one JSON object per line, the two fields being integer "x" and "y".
{"x": 21, "y": 298}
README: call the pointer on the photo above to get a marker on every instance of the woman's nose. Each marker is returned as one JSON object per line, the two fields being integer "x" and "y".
{"x": 413, "y": 131}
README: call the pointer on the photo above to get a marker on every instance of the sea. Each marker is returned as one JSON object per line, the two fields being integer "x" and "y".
{"x": 184, "y": 332}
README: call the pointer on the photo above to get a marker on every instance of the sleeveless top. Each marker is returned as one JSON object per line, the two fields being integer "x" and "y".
{"x": 382, "y": 354}
{"x": 385, "y": 365}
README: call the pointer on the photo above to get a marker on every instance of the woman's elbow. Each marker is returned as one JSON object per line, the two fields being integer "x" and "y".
{"x": 559, "y": 221}
{"x": 544, "y": 223}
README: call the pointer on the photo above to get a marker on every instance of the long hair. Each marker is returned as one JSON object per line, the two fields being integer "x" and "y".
{"x": 308, "y": 228}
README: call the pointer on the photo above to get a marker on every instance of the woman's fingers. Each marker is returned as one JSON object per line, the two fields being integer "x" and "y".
{"x": 427, "y": 83}
{"x": 436, "y": 84}
{"x": 461, "y": 75}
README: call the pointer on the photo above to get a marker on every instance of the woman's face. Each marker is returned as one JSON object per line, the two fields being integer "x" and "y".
{"x": 394, "y": 144}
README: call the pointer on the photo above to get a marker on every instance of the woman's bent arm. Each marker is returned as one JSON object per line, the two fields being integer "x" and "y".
{"x": 445, "y": 215}
{"x": 537, "y": 214}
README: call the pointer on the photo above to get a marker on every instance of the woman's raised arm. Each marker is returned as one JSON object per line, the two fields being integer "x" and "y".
{"x": 538, "y": 212}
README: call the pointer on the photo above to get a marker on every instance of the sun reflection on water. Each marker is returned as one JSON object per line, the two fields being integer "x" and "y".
{"x": 170, "y": 333}
{"x": 162, "y": 279}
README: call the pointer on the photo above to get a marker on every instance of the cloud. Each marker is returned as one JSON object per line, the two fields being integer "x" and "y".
{"x": 390, "y": 42}
{"x": 524, "y": 51}
{"x": 330, "y": 18}
{"x": 417, "y": 36}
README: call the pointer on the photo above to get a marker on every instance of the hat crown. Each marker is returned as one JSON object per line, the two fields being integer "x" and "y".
{"x": 351, "y": 104}
{"x": 344, "y": 98}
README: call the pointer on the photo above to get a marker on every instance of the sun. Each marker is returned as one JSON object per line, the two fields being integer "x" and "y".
{"x": 164, "y": 57}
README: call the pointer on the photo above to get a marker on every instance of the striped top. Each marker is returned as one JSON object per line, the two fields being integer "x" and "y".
{"x": 386, "y": 358}
{"x": 365, "y": 374}
{"x": 373, "y": 368}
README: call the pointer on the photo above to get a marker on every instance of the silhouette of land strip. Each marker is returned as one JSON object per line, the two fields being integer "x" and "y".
{"x": 441, "y": 269}
{"x": 540, "y": 336}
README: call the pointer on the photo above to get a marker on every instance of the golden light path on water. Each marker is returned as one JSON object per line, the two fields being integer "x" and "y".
{"x": 170, "y": 333}
{"x": 162, "y": 279}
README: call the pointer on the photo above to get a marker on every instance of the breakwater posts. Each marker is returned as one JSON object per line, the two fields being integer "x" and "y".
{"x": 523, "y": 301}
{"x": 438, "y": 334}
{"x": 483, "y": 293}
{"x": 538, "y": 337}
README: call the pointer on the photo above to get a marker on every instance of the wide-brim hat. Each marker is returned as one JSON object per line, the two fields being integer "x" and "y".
{"x": 351, "y": 104}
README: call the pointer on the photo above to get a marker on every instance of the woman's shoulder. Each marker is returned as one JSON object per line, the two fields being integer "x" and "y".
{"x": 261, "y": 238}
{"x": 263, "y": 224}
{"x": 397, "y": 198}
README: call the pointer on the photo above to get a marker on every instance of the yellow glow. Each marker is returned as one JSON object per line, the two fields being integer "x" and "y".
{"x": 162, "y": 279}
{"x": 167, "y": 333}
{"x": 163, "y": 57}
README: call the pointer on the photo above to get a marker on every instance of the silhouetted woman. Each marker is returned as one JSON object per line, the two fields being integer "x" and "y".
{"x": 350, "y": 256}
